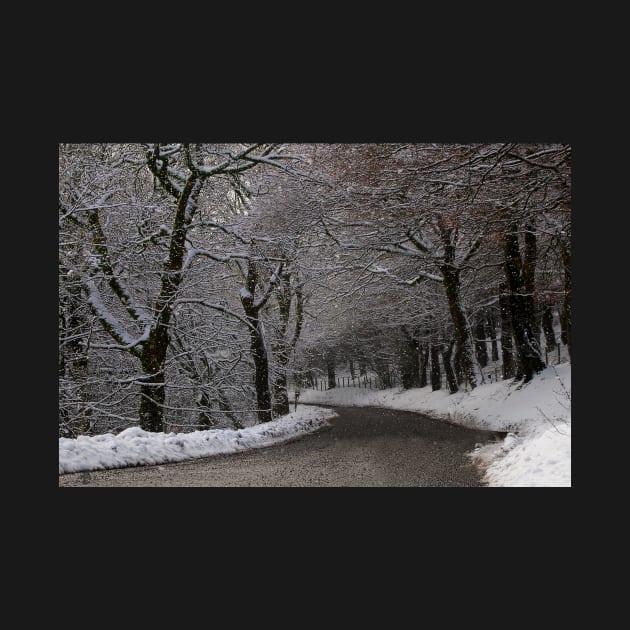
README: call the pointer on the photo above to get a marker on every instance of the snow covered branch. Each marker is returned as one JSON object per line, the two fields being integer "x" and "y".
{"x": 103, "y": 263}
{"x": 422, "y": 275}
{"x": 108, "y": 321}
{"x": 214, "y": 306}
{"x": 273, "y": 282}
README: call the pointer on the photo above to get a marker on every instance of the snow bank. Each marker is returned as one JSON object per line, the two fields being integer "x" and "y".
{"x": 133, "y": 447}
{"x": 541, "y": 457}
{"x": 536, "y": 416}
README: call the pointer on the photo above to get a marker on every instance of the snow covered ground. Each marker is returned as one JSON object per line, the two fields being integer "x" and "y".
{"x": 537, "y": 417}
{"x": 133, "y": 447}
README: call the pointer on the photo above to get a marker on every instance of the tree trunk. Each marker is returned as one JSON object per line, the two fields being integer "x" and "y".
{"x": 492, "y": 328}
{"x": 463, "y": 354}
{"x": 383, "y": 371}
{"x": 152, "y": 389}
{"x": 424, "y": 362}
{"x": 362, "y": 365}
{"x": 310, "y": 378}
{"x": 436, "y": 374}
{"x": 519, "y": 278}
{"x": 258, "y": 349}
{"x": 153, "y": 356}
{"x": 481, "y": 349}
{"x": 152, "y": 396}
{"x": 73, "y": 362}
{"x": 451, "y": 379}
{"x": 261, "y": 370}
{"x": 547, "y": 326}
{"x": 224, "y": 406}
{"x": 451, "y": 281}
{"x": 330, "y": 369}
{"x": 204, "y": 418}
{"x": 566, "y": 311}
{"x": 507, "y": 348}
{"x": 280, "y": 392}
{"x": 409, "y": 361}
{"x": 351, "y": 367}
{"x": 459, "y": 371}
{"x": 282, "y": 346}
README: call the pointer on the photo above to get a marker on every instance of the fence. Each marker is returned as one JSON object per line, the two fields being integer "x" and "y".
{"x": 561, "y": 353}
{"x": 367, "y": 382}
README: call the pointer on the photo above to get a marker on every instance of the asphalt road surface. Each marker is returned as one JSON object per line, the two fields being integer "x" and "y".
{"x": 365, "y": 446}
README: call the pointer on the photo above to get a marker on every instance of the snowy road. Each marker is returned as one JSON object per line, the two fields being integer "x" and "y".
{"x": 364, "y": 447}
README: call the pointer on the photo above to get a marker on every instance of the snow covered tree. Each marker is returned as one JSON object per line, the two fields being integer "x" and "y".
{"x": 196, "y": 279}
{"x": 252, "y": 306}
{"x": 288, "y": 293}
{"x": 535, "y": 194}
{"x": 139, "y": 325}
{"x": 448, "y": 214}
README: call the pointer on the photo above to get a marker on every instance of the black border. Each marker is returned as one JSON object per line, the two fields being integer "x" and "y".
{"x": 418, "y": 109}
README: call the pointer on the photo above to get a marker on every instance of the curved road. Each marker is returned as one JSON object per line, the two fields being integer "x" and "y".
{"x": 366, "y": 446}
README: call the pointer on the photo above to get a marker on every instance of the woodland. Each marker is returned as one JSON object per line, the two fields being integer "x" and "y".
{"x": 200, "y": 284}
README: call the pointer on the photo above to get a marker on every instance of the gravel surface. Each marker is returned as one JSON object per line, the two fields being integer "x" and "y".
{"x": 365, "y": 446}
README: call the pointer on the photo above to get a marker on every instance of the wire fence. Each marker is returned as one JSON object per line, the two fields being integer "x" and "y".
{"x": 365, "y": 382}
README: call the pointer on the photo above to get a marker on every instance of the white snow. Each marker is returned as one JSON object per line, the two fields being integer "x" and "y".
{"x": 133, "y": 447}
{"x": 537, "y": 417}
{"x": 94, "y": 300}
